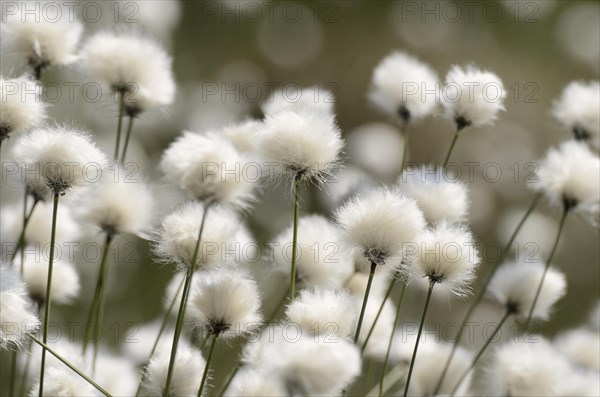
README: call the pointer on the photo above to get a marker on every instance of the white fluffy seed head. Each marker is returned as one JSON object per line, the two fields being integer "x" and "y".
{"x": 65, "y": 279}
{"x": 56, "y": 159}
{"x": 254, "y": 382}
{"x": 319, "y": 258}
{"x": 326, "y": 312}
{"x": 312, "y": 99}
{"x": 41, "y": 40}
{"x": 569, "y": 176}
{"x": 514, "y": 286}
{"x": 22, "y": 105}
{"x": 224, "y": 304}
{"x": 577, "y": 108}
{"x": 243, "y": 135}
{"x": 445, "y": 255}
{"x": 118, "y": 205}
{"x": 581, "y": 346}
{"x": 132, "y": 64}
{"x": 404, "y": 87}
{"x": 376, "y": 226}
{"x": 186, "y": 373}
{"x": 16, "y": 315}
{"x": 438, "y": 195}
{"x": 302, "y": 145}
{"x": 208, "y": 168}
{"x": 177, "y": 238}
{"x": 473, "y": 97}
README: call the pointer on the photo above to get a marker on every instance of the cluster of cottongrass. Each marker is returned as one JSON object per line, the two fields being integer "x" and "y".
{"x": 334, "y": 323}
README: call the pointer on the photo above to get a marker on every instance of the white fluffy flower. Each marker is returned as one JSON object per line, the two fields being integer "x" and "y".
{"x": 404, "y": 87}
{"x": 446, "y": 255}
{"x": 312, "y": 99}
{"x": 54, "y": 160}
{"x": 514, "y": 285}
{"x": 187, "y": 373}
{"x": 438, "y": 195}
{"x": 22, "y": 106}
{"x": 252, "y": 382}
{"x": 577, "y": 109}
{"x": 41, "y": 40}
{"x": 326, "y": 312}
{"x": 581, "y": 346}
{"x": 224, "y": 303}
{"x": 243, "y": 135}
{"x": 208, "y": 167}
{"x": 61, "y": 381}
{"x": 320, "y": 260}
{"x": 570, "y": 177}
{"x": 300, "y": 145}
{"x": 133, "y": 65}
{"x": 179, "y": 234}
{"x": 472, "y": 97}
{"x": 65, "y": 279}
{"x": 119, "y": 205}
{"x": 16, "y": 316}
{"x": 376, "y": 225}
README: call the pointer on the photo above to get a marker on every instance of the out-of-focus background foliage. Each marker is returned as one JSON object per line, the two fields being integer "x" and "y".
{"x": 230, "y": 55}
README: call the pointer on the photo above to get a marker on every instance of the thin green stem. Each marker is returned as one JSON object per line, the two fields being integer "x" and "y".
{"x": 483, "y": 289}
{"x": 182, "y": 305}
{"x": 127, "y": 136}
{"x": 48, "y": 289}
{"x": 21, "y": 240}
{"x": 539, "y": 287}
{"x": 229, "y": 379}
{"x": 414, "y": 355}
{"x": 25, "y": 376}
{"x": 385, "y": 298}
{"x": 392, "y": 378}
{"x": 389, "y": 348}
{"x": 365, "y": 300}
{"x": 451, "y": 148}
{"x": 121, "y": 95}
{"x": 294, "y": 239}
{"x": 71, "y": 366}
{"x": 404, "y": 150}
{"x": 13, "y": 373}
{"x": 213, "y": 343}
{"x": 480, "y": 352}
{"x": 101, "y": 299}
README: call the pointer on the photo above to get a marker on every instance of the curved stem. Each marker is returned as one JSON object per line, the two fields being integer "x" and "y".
{"x": 121, "y": 95}
{"x": 483, "y": 289}
{"x": 480, "y": 353}
{"x": 539, "y": 288}
{"x": 389, "y": 348}
{"x": 48, "y": 289}
{"x": 451, "y": 148}
{"x": 21, "y": 241}
{"x": 365, "y": 300}
{"x": 207, "y": 365}
{"x": 294, "y": 240}
{"x": 385, "y": 298}
{"x": 414, "y": 355}
{"x": 127, "y": 136}
{"x": 182, "y": 305}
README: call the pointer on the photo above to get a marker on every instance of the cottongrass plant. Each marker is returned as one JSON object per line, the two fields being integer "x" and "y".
{"x": 577, "y": 110}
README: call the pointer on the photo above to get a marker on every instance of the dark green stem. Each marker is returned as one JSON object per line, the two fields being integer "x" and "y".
{"x": 121, "y": 95}
{"x": 365, "y": 300}
{"x": 229, "y": 379}
{"x": 385, "y": 298}
{"x": 13, "y": 373}
{"x": 127, "y": 136}
{"x": 451, "y": 148}
{"x": 21, "y": 241}
{"x": 294, "y": 239}
{"x": 207, "y": 365}
{"x": 101, "y": 298}
{"x": 389, "y": 348}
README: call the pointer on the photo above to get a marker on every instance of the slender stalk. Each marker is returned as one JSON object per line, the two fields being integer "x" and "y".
{"x": 294, "y": 239}
{"x": 393, "y": 377}
{"x": 229, "y": 379}
{"x": 21, "y": 240}
{"x": 480, "y": 353}
{"x": 385, "y": 298}
{"x": 556, "y": 240}
{"x": 207, "y": 365}
{"x": 414, "y": 355}
{"x": 184, "y": 298}
{"x": 121, "y": 95}
{"x": 101, "y": 299}
{"x": 389, "y": 348}
{"x": 13, "y": 373}
{"x": 483, "y": 289}
{"x": 24, "y": 376}
{"x": 365, "y": 300}
{"x": 48, "y": 289}
{"x": 71, "y": 366}
{"x": 451, "y": 148}
{"x": 404, "y": 150}
{"x": 127, "y": 136}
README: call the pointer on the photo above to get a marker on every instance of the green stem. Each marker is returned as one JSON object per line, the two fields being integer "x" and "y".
{"x": 71, "y": 366}
{"x": 207, "y": 365}
{"x": 414, "y": 355}
{"x": 127, "y": 136}
{"x": 539, "y": 288}
{"x": 404, "y": 150}
{"x": 119, "y": 124}
{"x": 229, "y": 380}
{"x": 483, "y": 289}
{"x": 393, "y": 377}
{"x": 21, "y": 241}
{"x": 389, "y": 348}
{"x": 294, "y": 239}
{"x": 101, "y": 299}
{"x": 13, "y": 373}
{"x": 480, "y": 353}
{"x": 25, "y": 376}
{"x": 385, "y": 298}
{"x": 451, "y": 148}
{"x": 182, "y": 305}
{"x": 48, "y": 289}
{"x": 365, "y": 300}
